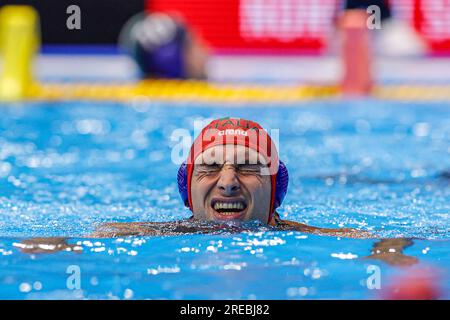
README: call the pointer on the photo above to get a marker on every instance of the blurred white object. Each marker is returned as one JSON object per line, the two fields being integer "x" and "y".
{"x": 289, "y": 70}
{"x": 397, "y": 38}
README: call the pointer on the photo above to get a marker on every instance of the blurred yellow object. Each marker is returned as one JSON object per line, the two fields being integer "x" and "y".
{"x": 19, "y": 41}
{"x": 230, "y": 94}
{"x": 182, "y": 91}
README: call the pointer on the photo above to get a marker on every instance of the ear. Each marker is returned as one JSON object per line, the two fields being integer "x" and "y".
{"x": 182, "y": 183}
{"x": 282, "y": 182}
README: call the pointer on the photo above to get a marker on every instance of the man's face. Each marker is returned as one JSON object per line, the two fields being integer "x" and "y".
{"x": 227, "y": 184}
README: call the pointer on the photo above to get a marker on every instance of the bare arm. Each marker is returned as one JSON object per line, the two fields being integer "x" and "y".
{"x": 126, "y": 229}
{"x": 333, "y": 232}
{"x": 119, "y": 229}
{"x": 391, "y": 251}
{"x": 387, "y": 250}
{"x": 171, "y": 228}
{"x": 46, "y": 245}
{"x": 107, "y": 230}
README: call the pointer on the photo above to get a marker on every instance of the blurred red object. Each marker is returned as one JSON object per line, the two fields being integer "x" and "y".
{"x": 418, "y": 284}
{"x": 432, "y": 21}
{"x": 257, "y": 26}
{"x": 295, "y": 26}
{"x": 356, "y": 52}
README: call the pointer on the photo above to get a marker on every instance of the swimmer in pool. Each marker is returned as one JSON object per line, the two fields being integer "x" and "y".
{"x": 233, "y": 175}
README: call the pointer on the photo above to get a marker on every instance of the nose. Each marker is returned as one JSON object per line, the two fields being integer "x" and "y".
{"x": 228, "y": 183}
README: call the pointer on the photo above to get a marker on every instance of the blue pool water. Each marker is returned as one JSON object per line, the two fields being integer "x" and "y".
{"x": 67, "y": 167}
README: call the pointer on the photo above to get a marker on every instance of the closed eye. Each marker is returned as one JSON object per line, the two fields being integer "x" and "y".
{"x": 208, "y": 168}
{"x": 250, "y": 168}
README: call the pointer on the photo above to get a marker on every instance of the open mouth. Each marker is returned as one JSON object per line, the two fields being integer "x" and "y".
{"x": 228, "y": 208}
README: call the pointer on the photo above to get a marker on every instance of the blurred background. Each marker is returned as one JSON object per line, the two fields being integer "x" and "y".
{"x": 91, "y": 92}
{"x": 240, "y": 40}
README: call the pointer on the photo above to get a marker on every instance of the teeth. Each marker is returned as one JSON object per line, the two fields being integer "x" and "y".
{"x": 228, "y": 205}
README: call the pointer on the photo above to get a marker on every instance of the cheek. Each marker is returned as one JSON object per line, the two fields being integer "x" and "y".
{"x": 199, "y": 192}
{"x": 259, "y": 188}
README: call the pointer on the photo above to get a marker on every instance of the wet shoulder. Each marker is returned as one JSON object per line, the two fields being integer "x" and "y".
{"x": 170, "y": 228}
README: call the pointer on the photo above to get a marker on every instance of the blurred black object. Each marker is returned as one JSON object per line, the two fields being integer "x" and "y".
{"x": 163, "y": 46}
{"x": 101, "y": 20}
{"x": 445, "y": 174}
{"x": 157, "y": 43}
{"x": 364, "y": 4}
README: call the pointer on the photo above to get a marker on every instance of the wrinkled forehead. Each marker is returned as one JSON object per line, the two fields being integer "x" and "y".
{"x": 231, "y": 154}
